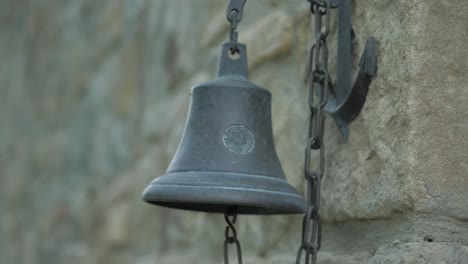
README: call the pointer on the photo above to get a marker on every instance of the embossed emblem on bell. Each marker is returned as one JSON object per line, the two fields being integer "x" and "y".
{"x": 226, "y": 158}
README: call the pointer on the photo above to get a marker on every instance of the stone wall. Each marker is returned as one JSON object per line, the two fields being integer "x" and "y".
{"x": 93, "y": 101}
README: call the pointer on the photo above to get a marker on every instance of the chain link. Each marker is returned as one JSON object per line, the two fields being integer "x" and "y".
{"x": 230, "y": 237}
{"x": 318, "y": 84}
{"x": 234, "y": 16}
{"x": 232, "y": 32}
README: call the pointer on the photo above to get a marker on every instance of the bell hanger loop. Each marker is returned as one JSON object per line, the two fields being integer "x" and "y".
{"x": 233, "y": 64}
{"x": 233, "y": 55}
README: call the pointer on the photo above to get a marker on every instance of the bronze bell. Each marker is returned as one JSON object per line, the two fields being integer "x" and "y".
{"x": 226, "y": 159}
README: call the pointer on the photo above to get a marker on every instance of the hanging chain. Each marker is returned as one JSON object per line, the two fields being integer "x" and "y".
{"x": 234, "y": 16}
{"x": 230, "y": 237}
{"x": 318, "y": 82}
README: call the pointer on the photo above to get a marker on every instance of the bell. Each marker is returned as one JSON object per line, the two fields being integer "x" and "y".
{"x": 226, "y": 159}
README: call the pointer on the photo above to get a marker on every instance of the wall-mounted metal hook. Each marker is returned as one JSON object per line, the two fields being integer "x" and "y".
{"x": 345, "y": 103}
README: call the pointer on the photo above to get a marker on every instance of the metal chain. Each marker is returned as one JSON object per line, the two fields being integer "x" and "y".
{"x": 318, "y": 82}
{"x": 230, "y": 237}
{"x": 234, "y": 16}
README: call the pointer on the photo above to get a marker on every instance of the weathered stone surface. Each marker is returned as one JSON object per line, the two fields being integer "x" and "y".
{"x": 404, "y": 153}
{"x": 406, "y": 253}
{"x": 268, "y": 39}
{"x": 419, "y": 253}
{"x": 94, "y": 97}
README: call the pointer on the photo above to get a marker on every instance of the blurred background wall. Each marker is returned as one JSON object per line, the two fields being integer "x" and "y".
{"x": 93, "y": 100}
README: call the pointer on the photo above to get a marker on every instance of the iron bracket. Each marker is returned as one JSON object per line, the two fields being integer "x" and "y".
{"x": 346, "y": 101}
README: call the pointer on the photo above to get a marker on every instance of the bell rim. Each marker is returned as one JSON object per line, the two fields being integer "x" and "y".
{"x": 277, "y": 198}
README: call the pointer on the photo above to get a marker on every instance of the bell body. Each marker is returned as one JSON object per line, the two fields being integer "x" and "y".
{"x": 226, "y": 159}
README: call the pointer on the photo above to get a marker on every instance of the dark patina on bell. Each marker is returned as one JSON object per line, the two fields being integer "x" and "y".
{"x": 226, "y": 159}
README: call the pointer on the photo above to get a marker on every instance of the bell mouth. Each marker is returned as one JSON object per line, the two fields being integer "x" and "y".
{"x": 217, "y": 192}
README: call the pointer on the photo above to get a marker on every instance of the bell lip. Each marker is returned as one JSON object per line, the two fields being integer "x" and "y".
{"x": 180, "y": 190}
